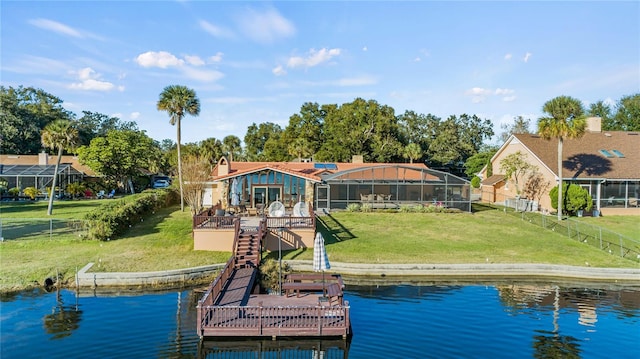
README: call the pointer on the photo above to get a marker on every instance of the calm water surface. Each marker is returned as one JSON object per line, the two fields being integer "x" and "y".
{"x": 389, "y": 321}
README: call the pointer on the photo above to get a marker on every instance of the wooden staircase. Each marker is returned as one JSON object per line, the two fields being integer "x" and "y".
{"x": 247, "y": 251}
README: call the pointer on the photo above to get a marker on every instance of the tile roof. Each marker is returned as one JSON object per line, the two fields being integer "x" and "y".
{"x": 305, "y": 170}
{"x": 582, "y": 157}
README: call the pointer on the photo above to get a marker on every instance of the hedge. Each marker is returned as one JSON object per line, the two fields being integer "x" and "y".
{"x": 114, "y": 217}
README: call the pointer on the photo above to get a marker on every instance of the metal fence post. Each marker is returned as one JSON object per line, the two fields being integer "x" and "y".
{"x": 50, "y": 228}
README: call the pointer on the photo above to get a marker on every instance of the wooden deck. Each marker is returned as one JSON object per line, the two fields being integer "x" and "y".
{"x": 230, "y": 307}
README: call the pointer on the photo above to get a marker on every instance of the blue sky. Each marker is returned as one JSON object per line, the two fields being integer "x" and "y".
{"x": 253, "y": 62}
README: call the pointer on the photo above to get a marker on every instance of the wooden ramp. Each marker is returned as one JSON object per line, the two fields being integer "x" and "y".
{"x": 238, "y": 287}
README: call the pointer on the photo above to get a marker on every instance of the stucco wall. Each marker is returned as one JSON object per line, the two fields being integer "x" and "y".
{"x": 213, "y": 239}
{"x": 509, "y": 189}
{"x": 291, "y": 239}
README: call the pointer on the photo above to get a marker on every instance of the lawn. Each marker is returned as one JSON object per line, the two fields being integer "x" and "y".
{"x": 164, "y": 241}
{"x": 489, "y": 236}
{"x": 161, "y": 242}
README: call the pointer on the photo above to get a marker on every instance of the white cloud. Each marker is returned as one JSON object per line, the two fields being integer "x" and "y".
{"x": 479, "y": 94}
{"x": 279, "y": 71}
{"x": 215, "y": 31}
{"x": 90, "y": 81}
{"x": 216, "y": 58}
{"x": 160, "y": 59}
{"x": 508, "y": 57}
{"x": 364, "y": 48}
{"x": 314, "y": 58}
{"x": 202, "y": 75}
{"x": 265, "y": 27}
{"x": 417, "y": 59}
{"x": 193, "y": 60}
{"x": 500, "y": 91}
{"x": 527, "y": 56}
{"x": 134, "y": 115}
{"x": 117, "y": 114}
{"x": 56, "y": 27}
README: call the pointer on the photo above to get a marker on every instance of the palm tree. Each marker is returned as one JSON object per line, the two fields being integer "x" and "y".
{"x": 60, "y": 135}
{"x": 412, "y": 151}
{"x": 177, "y": 101}
{"x": 564, "y": 118}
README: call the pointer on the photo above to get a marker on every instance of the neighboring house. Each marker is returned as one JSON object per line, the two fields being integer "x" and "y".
{"x": 330, "y": 186}
{"x": 37, "y": 170}
{"x": 606, "y": 163}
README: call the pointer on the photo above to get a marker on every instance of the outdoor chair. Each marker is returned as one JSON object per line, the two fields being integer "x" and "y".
{"x": 100, "y": 194}
{"x": 112, "y": 193}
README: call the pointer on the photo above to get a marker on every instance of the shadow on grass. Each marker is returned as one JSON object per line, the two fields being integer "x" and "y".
{"x": 481, "y": 207}
{"x": 332, "y": 230}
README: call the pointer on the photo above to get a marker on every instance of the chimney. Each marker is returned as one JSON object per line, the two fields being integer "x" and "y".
{"x": 357, "y": 159}
{"x": 223, "y": 166}
{"x": 43, "y": 158}
{"x": 594, "y": 124}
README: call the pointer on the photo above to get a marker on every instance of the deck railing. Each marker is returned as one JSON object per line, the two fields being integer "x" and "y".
{"x": 291, "y": 222}
{"x": 215, "y": 288}
{"x": 274, "y": 321}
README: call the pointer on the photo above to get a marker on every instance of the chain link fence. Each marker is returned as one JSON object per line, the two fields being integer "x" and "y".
{"x": 41, "y": 228}
{"x": 602, "y": 238}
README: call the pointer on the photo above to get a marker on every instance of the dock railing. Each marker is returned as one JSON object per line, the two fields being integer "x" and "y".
{"x": 274, "y": 321}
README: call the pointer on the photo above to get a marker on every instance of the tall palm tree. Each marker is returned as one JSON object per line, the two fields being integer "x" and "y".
{"x": 177, "y": 101}
{"x": 564, "y": 119}
{"x": 60, "y": 135}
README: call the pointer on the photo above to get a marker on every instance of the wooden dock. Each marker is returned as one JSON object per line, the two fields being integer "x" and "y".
{"x": 232, "y": 306}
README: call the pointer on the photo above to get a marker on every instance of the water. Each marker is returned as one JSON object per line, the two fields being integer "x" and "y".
{"x": 389, "y": 321}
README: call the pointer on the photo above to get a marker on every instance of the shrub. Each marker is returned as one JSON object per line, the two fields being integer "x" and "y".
{"x": 574, "y": 198}
{"x": 475, "y": 182}
{"x": 15, "y": 191}
{"x": 114, "y": 217}
{"x": 366, "y": 207}
{"x": 75, "y": 189}
{"x": 406, "y": 208}
{"x": 353, "y": 207}
{"x": 269, "y": 274}
{"x": 32, "y": 192}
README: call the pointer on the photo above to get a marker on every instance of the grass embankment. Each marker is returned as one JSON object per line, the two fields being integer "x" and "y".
{"x": 485, "y": 236}
{"x": 163, "y": 241}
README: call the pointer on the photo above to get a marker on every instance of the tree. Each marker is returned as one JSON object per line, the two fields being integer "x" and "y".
{"x": 58, "y": 135}
{"x": 515, "y": 166}
{"x": 300, "y": 148}
{"x": 177, "y": 101}
{"x": 120, "y": 155}
{"x": 520, "y": 125}
{"x": 475, "y": 163}
{"x": 564, "y": 118}
{"x": 232, "y": 147}
{"x": 196, "y": 173}
{"x": 627, "y": 117}
{"x": 602, "y": 110}
{"x": 412, "y": 151}
{"x": 575, "y": 198}
{"x": 256, "y": 138}
{"x": 94, "y": 124}
{"x": 24, "y": 112}
{"x": 418, "y": 128}
{"x": 535, "y": 186}
{"x": 308, "y": 126}
{"x": 211, "y": 150}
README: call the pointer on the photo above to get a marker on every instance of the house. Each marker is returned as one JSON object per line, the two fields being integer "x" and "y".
{"x": 333, "y": 186}
{"x": 606, "y": 163}
{"x": 37, "y": 170}
{"x": 251, "y": 187}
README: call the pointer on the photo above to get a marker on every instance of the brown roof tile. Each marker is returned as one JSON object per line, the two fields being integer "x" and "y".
{"x": 582, "y": 157}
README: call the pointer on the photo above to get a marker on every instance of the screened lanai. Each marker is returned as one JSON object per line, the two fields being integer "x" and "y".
{"x": 38, "y": 176}
{"x": 391, "y": 186}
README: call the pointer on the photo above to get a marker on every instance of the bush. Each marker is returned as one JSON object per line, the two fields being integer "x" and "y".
{"x": 114, "y": 217}
{"x": 15, "y": 191}
{"x": 353, "y": 207}
{"x": 32, "y": 192}
{"x": 475, "y": 182}
{"x": 366, "y": 207}
{"x": 574, "y": 198}
{"x": 269, "y": 274}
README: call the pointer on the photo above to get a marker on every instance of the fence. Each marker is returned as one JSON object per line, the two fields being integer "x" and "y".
{"x": 609, "y": 241}
{"x": 41, "y": 228}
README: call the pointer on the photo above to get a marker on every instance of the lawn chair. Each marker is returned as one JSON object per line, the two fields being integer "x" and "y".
{"x": 100, "y": 194}
{"x": 111, "y": 194}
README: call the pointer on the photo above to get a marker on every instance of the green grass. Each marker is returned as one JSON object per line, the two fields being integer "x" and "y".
{"x": 485, "y": 236}
{"x": 161, "y": 242}
{"x": 628, "y": 226}
{"x": 164, "y": 241}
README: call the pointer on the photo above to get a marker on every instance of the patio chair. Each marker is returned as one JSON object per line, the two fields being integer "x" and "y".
{"x": 112, "y": 193}
{"x": 100, "y": 194}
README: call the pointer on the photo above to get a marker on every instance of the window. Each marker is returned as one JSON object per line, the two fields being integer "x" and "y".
{"x": 606, "y": 153}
